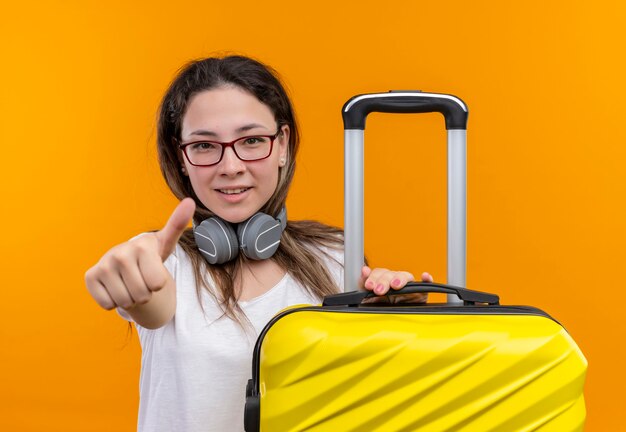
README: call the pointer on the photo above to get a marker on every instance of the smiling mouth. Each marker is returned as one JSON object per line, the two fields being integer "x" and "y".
{"x": 232, "y": 191}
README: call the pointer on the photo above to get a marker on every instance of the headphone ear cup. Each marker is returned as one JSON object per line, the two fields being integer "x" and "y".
{"x": 259, "y": 236}
{"x": 216, "y": 240}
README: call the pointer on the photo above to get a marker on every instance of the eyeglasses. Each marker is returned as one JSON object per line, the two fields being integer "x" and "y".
{"x": 248, "y": 148}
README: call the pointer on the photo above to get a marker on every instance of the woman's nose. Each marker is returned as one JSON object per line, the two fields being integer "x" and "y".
{"x": 230, "y": 163}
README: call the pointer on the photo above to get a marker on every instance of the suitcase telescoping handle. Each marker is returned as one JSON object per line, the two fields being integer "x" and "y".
{"x": 355, "y": 112}
{"x": 468, "y": 297}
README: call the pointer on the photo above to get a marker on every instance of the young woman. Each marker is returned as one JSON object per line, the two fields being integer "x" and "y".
{"x": 227, "y": 143}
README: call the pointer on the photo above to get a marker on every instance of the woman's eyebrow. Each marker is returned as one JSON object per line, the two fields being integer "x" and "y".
{"x": 203, "y": 132}
{"x": 250, "y": 126}
{"x": 245, "y": 128}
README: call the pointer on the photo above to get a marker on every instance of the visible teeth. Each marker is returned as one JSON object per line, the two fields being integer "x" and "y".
{"x": 232, "y": 191}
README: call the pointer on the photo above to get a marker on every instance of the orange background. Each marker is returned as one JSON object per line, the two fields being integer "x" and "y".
{"x": 81, "y": 81}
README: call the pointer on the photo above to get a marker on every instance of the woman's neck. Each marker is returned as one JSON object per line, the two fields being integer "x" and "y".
{"x": 258, "y": 277}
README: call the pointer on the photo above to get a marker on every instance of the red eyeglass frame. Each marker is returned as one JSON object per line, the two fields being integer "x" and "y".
{"x": 231, "y": 144}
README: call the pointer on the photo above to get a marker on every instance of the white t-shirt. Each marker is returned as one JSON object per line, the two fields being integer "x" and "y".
{"x": 194, "y": 369}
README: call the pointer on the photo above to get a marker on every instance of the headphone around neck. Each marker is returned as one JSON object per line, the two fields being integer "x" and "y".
{"x": 258, "y": 237}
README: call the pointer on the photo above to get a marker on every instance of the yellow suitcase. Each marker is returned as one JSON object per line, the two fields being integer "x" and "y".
{"x": 346, "y": 366}
{"x": 466, "y": 365}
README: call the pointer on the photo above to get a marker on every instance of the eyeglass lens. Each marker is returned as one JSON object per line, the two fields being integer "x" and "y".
{"x": 247, "y": 149}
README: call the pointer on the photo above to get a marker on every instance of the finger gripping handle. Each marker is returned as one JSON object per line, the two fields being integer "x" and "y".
{"x": 355, "y": 111}
{"x": 469, "y": 297}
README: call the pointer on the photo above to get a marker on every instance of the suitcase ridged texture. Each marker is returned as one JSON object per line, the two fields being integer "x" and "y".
{"x": 334, "y": 371}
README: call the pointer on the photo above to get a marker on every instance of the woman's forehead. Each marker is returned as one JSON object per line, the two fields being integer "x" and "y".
{"x": 226, "y": 110}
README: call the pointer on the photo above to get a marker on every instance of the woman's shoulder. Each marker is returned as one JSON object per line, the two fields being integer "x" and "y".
{"x": 330, "y": 255}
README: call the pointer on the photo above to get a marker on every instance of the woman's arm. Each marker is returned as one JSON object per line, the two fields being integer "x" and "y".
{"x": 132, "y": 275}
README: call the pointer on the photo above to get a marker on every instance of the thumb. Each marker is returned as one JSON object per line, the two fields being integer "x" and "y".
{"x": 426, "y": 277}
{"x": 365, "y": 272}
{"x": 175, "y": 226}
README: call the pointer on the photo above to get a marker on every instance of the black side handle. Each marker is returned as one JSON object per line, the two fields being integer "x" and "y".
{"x": 469, "y": 297}
{"x": 252, "y": 409}
{"x": 358, "y": 107}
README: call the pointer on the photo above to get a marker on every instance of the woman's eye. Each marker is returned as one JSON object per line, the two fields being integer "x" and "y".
{"x": 254, "y": 140}
{"x": 203, "y": 146}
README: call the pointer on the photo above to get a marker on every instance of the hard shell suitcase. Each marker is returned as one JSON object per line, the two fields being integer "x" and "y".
{"x": 467, "y": 365}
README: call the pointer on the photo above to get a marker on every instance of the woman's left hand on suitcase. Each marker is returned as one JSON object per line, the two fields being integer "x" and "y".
{"x": 380, "y": 280}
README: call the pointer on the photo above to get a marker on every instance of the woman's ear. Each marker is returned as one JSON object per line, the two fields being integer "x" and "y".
{"x": 181, "y": 159}
{"x": 283, "y": 145}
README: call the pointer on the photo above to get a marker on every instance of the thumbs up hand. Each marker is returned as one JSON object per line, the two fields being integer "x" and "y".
{"x": 175, "y": 227}
{"x": 132, "y": 276}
